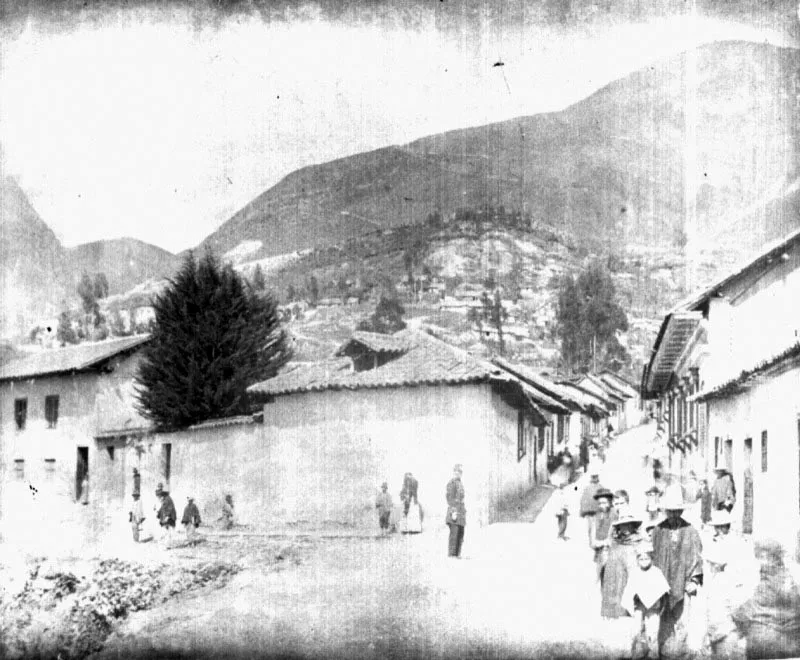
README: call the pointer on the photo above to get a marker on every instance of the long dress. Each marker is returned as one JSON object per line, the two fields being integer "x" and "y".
{"x": 413, "y": 519}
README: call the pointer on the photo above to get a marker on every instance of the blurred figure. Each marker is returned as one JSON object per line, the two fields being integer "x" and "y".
{"x": 85, "y": 490}
{"x": 723, "y": 492}
{"x": 136, "y": 517}
{"x": 227, "y": 512}
{"x": 770, "y": 619}
{"x": 562, "y": 511}
{"x": 383, "y": 504}
{"x": 705, "y": 501}
{"x": 190, "y": 520}
{"x": 167, "y": 515}
{"x": 137, "y": 482}
{"x": 589, "y": 506}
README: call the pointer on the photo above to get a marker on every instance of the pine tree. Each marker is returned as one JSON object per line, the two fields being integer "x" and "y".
{"x": 213, "y": 337}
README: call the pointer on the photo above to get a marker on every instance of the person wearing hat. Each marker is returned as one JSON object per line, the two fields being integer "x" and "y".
{"x": 588, "y": 506}
{"x": 644, "y": 598}
{"x": 723, "y": 492}
{"x": 677, "y": 551}
{"x": 227, "y": 512}
{"x": 136, "y": 516}
{"x": 383, "y": 504}
{"x": 653, "y": 506}
{"x": 770, "y": 619}
{"x": 600, "y": 527}
{"x": 456, "y": 512}
{"x": 137, "y": 482}
{"x": 166, "y": 515}
{"x": 620, "y": 559}
{"x": 190, "y": 519}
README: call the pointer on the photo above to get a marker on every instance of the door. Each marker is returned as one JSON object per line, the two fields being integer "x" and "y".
{"x": 81, "y": 470}
{"x": 727, "y": 456}
{"x": 747, "y": 488}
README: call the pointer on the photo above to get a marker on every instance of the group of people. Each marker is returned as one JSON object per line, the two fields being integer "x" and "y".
{"x": 411, "y": 521}
{"x": 664, "y": 596}
{"x": 167, "y": 516}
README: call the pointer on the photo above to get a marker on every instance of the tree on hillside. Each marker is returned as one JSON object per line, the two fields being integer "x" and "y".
{"x": 313, "y": 290}
{"x": 117, "y": 325}
{"x": 91, "y": 290}
{"x": 259, "y": 281}
{"x": 589, "y": 317}
{"x": 213, "y": 337}
{"x": 64, "y": 333}
{"x": 387, "y": 318}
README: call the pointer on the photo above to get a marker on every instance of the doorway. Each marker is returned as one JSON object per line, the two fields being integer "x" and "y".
{"x": 166, "y": 463}
{"x": 747, "y": 488}
{"x": 727, "y": 455}
{"x": 81, "y": 470}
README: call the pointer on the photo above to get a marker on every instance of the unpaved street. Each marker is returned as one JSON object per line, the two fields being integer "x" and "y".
{"x": 517, "y": 591}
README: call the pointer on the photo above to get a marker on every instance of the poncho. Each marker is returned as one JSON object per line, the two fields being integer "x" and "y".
{"x": 678, "y": 553}
{"x": 649, "y": 586}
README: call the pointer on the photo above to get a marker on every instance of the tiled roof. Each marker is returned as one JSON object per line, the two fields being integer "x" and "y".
{"x": 591, "y": 399}
{"x": 428, "y": 361}
{"x": 69, "y": 359}
{"x": 377, "y": 343}
{"x": 560, "y": 395}
{"x": 750, "y": 376}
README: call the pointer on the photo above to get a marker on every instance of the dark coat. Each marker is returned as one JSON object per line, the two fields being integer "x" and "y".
{"x": 191, "y": 514}
{"x": 167, "y": 515}
{"x": 455, "y": 502}
{"x": 137, "y": 484}
{"x": 409, "y": 491}
{"x": 621, "y": 561}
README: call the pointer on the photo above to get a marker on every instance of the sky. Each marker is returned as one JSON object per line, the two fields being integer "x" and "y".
{"x": 160, "y": 127}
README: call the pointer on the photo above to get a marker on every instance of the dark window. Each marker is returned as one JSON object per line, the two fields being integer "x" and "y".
{"x": 763, "y": 451}
{"x": 716, "y": 451}
{"x": 19, "y": 469}
{"x": 110, "y": 450}
{"x": 521, "y": 445}
{"x": 51, "y": 410}
{"x": 20, "y": 413}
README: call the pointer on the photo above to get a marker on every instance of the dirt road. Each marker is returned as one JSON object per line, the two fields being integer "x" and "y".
{"x": 518, "y": 591}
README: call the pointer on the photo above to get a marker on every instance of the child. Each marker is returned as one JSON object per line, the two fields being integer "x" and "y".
{"x": 622, "y": 504}
{"x": 191, "y": 520}
{"x": 644, "y": 597}
{"x": 562, "y": 511}
{"x": 136, "y": 516}
{"x": 384, "y": 506}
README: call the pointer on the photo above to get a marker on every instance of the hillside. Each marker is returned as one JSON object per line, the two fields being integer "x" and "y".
{"x": 126, "y": 262}
{"x": 610, "y": 168}
{"x": 32, "y": 264}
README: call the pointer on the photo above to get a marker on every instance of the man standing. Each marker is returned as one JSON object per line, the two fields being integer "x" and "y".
{"x": 167, "y": 515}
{"x": 408, "y": 494}
{"x": 383, "y": 504}
{"x": 600, "y": 534}
{"x": 137, "y": 483}
{"x": 456, "y": 512}
{"x": 589, "y": 505}
{"x": 677, "y": 551}
{"x": 723, "y": 493}
{"x": 227, "y": 512}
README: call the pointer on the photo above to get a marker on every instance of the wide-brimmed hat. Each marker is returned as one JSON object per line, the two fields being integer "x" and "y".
{"x": 627, "y": 518}
{"x": 720, "y": 518}
{"x": 653, "y": 490}
{"x": 603, "y": 492}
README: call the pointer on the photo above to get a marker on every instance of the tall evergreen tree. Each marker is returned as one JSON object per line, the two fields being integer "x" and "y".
{"x": 387, "y": 318}
{"x": 64, "y": 333}
{"x": 213, "y": 337}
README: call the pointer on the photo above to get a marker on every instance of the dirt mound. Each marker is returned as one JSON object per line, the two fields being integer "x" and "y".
{"x": 56, "y": 613}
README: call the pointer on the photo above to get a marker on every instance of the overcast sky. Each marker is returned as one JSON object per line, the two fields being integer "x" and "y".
{"x": 161, "y": 129}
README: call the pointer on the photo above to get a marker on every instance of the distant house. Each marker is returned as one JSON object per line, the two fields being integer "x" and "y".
{"x": 389, "y": 404}
{"x": 52, "y": 404}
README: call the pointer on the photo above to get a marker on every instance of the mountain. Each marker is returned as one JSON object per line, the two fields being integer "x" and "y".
{"x": 126, "y": 262}
{"x": 32, "y": 264}
{"x": 609, "y": 170}
{"x": 39, "y": 277}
